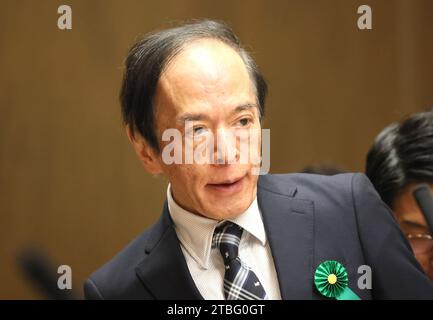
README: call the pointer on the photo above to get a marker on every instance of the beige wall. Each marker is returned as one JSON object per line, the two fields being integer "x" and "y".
{"x": 70, "y": 182}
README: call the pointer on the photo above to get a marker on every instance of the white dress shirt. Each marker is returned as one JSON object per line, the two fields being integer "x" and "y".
{"x": 206, "y": 264}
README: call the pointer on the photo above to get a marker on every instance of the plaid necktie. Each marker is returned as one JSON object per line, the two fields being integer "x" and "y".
{"x": 240, "y": 282}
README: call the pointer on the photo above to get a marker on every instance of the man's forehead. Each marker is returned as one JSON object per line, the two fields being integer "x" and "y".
{"x": 207, "y": 71}
{"x": 206, "y": 62}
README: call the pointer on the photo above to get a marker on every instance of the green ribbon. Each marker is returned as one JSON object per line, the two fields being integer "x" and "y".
{"x": 331, "y": 280}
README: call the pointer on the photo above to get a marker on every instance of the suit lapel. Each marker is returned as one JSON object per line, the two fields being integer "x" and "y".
{"x": 289, "y": 224}
{"x": 164, "y": 271}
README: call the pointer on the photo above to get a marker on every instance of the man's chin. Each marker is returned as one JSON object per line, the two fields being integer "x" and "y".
{"x": 226, "y": 211}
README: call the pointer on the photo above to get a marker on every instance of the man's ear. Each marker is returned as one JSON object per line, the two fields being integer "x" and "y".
{"x": 146, "y": 154}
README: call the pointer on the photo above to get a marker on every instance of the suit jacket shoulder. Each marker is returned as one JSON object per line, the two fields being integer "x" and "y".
{"x": 355, "y": 227}
{"x": 117, "y": 278}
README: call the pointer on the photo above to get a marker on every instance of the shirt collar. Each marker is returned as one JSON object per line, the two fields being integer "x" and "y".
{"x": 195, "y": 232}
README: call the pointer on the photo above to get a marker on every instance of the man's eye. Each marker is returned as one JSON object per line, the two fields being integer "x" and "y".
{"x": 198, "y": 130}
{"x": 244, "y": 122}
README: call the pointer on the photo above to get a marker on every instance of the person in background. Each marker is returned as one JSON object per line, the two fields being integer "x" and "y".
{"x": 399, "y": 160}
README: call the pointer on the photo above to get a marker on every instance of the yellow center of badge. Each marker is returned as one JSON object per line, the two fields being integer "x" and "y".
{"x": 332, "y": 278}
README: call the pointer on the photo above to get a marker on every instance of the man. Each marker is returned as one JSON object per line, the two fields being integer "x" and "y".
{"x": 225, "y": 233}
{"x": 399, "y": 160}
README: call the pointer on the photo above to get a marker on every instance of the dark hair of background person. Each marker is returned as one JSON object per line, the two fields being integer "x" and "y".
{"x": 147, "y": 59}
{"x": 327, "y": 170}
{"x": 401, "y": 154}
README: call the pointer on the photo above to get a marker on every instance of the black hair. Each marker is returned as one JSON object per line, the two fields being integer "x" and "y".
{"x": 147, "y": 59}
{"x": 401, "y": 154}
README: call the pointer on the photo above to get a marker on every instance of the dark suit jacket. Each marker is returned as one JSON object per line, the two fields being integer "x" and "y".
{"x": 308, "y": 219}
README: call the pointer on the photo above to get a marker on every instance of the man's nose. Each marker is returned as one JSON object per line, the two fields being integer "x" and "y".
{"x": 225, "y": 147}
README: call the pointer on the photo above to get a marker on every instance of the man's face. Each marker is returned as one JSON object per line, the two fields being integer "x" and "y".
{"x": 414, "y": 226}
{"x": 208, "y": 85}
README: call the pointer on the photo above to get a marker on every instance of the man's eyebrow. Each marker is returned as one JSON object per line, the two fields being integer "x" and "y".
{"x": 192, "y": 117}
{"x": 243, "y": 107}
{"x": 202, "y": 116}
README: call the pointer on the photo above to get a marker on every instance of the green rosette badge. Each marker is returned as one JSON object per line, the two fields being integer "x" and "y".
{"x": 331, "y": 280}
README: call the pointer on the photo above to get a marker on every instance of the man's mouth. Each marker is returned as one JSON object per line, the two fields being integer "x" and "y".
{"x": 227, "y": 186}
